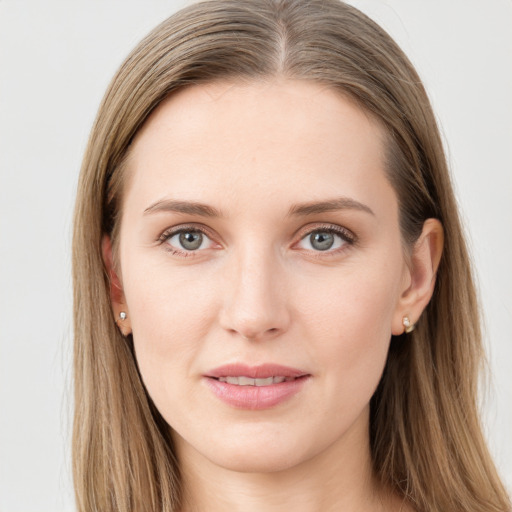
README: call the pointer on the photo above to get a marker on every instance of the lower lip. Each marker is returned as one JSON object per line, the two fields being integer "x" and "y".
{"x": 255, "y": 397}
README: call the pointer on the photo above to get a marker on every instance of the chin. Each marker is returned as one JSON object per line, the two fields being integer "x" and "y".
{"x": 253, "y": 450}
{"x": 257, "y": 460}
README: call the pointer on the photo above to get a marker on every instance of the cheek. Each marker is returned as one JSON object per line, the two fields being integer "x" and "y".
{"x": 357, "y": 301}
{"x": 171, "y": 316}
{"x": 350, "y": 318}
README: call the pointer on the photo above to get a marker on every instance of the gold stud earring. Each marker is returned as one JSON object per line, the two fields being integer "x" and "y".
{"x": 408, "y": 326}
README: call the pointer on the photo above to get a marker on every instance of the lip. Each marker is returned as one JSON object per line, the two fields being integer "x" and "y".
{"x": 261, "y": 371}
{"x": 255, "y": 397}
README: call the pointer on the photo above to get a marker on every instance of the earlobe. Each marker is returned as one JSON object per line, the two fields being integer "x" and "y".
{"x": 425, "y": 259}
{"x": 123, "y": 323}
{"x": 119, "y": 307}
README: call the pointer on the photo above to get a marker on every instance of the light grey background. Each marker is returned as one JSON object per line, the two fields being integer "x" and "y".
{"x": 56, "y": 59}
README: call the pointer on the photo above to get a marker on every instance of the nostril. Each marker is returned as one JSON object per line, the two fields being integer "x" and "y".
{"x": 255, "y": 336}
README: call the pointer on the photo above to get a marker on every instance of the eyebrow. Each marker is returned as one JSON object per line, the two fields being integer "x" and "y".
{"x": 332, "y": 205}
{"x": 301, "y": 210}
{"x": 187, "y": 207}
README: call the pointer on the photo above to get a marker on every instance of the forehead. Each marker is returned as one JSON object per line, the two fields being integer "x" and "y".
{"x": 228, "y": 140}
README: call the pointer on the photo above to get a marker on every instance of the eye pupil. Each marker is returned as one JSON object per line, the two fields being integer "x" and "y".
{"x": 322, "y": 240}
{"x": 191, "y": 240}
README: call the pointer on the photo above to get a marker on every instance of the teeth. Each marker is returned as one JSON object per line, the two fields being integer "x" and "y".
{"x": 248, "y": 381}
{"x": 264, "y": 382}
{"x": 244, "y": 381}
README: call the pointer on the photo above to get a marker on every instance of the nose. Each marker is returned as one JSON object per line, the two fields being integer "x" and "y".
{"x": 255, "y": 305}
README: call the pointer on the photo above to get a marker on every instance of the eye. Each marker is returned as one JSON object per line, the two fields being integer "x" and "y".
{"x": 325, "y": 239}
{"x": 186, "y": 240}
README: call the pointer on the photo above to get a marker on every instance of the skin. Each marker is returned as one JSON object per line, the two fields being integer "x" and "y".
{"x": 257, "y": 290}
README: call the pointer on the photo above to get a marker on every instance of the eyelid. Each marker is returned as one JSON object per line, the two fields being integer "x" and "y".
{"x": 168, "y": 233}
{"x": 349, "y": 238}
{"x": 345, "y": 233}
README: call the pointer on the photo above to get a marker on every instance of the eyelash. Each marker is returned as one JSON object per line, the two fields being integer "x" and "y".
{"x": 169, "y": 233}
{"x": 346, "y": 235}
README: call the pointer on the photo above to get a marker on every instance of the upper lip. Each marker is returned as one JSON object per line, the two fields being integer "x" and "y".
{"x": 262, "y": 371}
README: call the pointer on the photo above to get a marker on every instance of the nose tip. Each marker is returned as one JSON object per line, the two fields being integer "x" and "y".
{"x": 258, "y": 325}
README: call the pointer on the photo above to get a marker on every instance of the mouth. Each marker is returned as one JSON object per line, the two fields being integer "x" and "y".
{"x": 248, "y": 381}
{"x": 240, "y": 374}
{"x": 255, "y": 387}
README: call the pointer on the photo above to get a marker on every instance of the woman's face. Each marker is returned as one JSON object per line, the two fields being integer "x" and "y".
{"x": 260, "y": 239}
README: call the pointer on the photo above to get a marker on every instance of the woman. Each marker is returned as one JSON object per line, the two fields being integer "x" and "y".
{"x": 273, "y": 301}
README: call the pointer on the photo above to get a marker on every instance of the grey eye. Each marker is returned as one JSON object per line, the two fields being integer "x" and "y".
{"x": 321, "y": 240}
{"x": 191, "y": 240}
{"x": 188, "y": 240}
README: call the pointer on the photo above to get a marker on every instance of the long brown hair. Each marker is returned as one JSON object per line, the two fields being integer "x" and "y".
{"x": 425, "y": 434}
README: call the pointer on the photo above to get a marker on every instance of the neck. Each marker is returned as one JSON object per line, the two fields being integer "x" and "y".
{"x": 339, "y": 478}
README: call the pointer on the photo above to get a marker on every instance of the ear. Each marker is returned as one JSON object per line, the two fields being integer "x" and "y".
{"x": 421, "y": 275}
{"x": 119, "y": 307}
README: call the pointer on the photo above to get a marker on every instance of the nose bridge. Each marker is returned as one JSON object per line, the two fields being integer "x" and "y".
{"x": 255, "y": 304}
